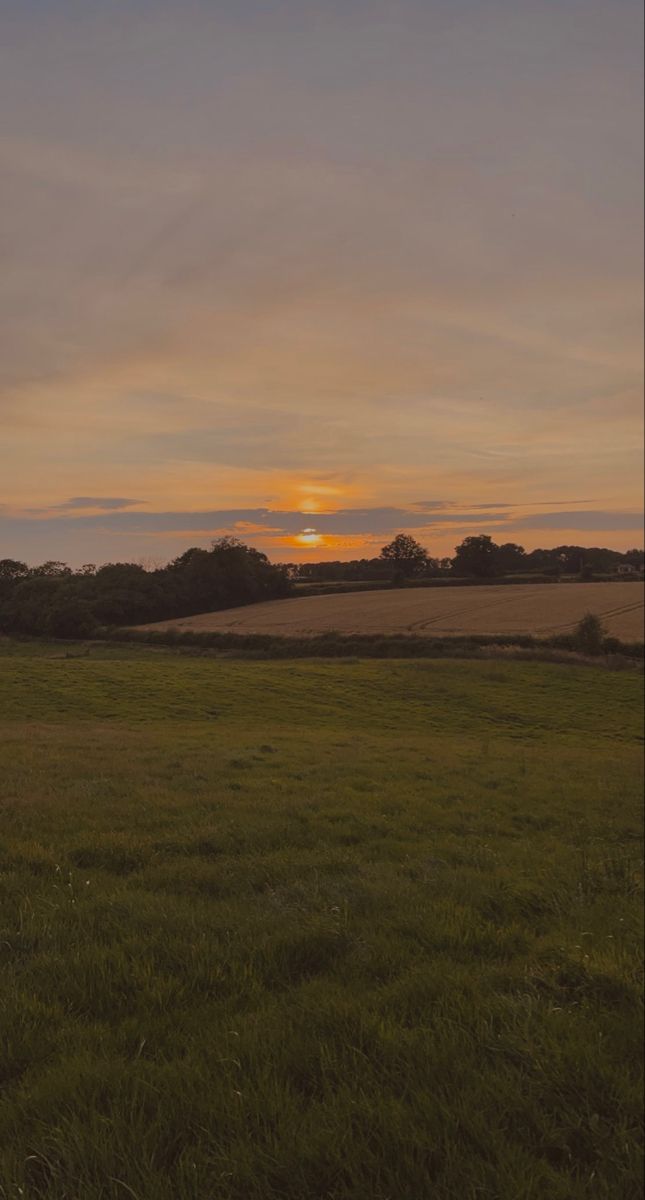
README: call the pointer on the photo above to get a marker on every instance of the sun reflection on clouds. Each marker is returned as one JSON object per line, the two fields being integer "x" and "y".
{"x": 312, "y": 497}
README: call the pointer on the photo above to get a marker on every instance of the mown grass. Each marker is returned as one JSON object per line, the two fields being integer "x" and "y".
{"x": 322, "y": 930}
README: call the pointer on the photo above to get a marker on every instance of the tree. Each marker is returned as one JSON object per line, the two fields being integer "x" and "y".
{"x": 11, "y": 568}
{"x": 26, "y": 609}
{"x": 571, "y": 559}
{"x": 123, "y": 594}
{"x": 69, "y": 616}
{"x": 11, "y": 572}
{"x": 228, "y": 574}
{"x": 510, "y": 557}
{"x": 51, "y": 569}
{"x": 53, "y": 600}
{"x": 406, "y": 555}
{"x": 476, "y": 556}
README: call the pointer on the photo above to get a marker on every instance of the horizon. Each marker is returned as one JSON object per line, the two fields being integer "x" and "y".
{"x": 307, "y": 557}
{"x": 297, "y": 541}
{"x": 280, "y": 275}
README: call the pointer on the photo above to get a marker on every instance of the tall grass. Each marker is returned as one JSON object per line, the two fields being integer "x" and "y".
{"x": 338, "y": 645}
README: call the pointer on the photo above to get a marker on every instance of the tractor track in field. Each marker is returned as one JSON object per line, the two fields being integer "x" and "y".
{"x": 605, "y": 613}
{"x": 472, "y": 607}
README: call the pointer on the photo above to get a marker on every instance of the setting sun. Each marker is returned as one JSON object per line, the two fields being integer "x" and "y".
{"x": 309, "y": 538}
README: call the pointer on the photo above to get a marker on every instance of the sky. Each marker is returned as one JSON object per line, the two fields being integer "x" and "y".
{"x": 349, "y": 267}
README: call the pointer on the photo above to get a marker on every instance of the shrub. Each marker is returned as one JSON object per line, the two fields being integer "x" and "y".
{"x": 589, "y": 636}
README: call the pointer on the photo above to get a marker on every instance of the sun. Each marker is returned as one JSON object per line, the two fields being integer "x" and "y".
{"x": 309, "y": 537}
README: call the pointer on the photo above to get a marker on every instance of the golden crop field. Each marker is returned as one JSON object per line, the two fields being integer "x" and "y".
{"x": 542, "y": 609}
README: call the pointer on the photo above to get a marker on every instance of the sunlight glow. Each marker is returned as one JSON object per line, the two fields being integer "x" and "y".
{"x": 309, "y": 538}
{"x": 317, "y": 498}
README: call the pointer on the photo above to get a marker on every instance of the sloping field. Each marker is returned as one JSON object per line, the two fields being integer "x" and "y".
{"x": 318, "y": 930}
{"x": 542, "y": 608}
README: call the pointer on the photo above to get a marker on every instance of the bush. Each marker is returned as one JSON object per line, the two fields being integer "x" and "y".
{"x": 590, "y": 634}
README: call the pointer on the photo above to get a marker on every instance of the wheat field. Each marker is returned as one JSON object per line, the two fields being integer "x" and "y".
{"x": 542, "y": 609}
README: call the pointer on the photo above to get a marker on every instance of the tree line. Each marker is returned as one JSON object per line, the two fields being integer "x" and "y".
{"x": 478, "y": 557}
{"x": 53, "y": 600}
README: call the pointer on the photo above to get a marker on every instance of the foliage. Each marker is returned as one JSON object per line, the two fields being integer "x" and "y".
{"x": 284, "y": 932}
{"x": 509, "y": 559}
{"x": 405, "y": 555}
{"x": 590, "y": 634}
{"x": 358, "y": 569}
{"x": 377, "y": 645}
{"x": 51, "y": 570}
{"x": 11, "y": 569}
{"x": 51, "y": 600}
{"x": 476, "y": 556}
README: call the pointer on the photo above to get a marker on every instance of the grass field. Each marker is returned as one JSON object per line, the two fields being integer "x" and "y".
{"x": 539, "y": 608}
{"x": 317, "y": 930}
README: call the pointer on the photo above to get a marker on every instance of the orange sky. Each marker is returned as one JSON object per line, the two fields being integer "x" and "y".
{"x": 268, "y": 264}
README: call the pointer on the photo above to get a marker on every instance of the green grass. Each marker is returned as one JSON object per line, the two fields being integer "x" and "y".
{"x": 317, "y": 929}
{"x": 563, "y": 648}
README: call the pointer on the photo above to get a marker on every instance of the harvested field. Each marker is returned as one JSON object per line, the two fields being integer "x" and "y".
{"x": 542, "y": 609}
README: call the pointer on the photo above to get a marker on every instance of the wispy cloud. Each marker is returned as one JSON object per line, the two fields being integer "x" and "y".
{"x": 106, "y": 503}
{"x": 590, "y": 520}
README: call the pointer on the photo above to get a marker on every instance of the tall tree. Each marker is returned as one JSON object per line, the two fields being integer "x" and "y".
{"x": 406, "y": 555}
{"x": 477, "y": 556}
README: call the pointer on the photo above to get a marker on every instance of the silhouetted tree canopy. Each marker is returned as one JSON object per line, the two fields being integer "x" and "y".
{"x": 477, "y": 556}
{"x": 406, "y": 555}
{"x": 10, "y": 568}
{"x": 52, "y": 600}
{"x": 510, "y": 557}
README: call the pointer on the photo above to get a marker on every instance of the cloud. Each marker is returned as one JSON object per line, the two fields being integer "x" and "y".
{"x": 353, "y": 521}
{"x": 588, "y": 520}
{"x": 432, "y": 505}
{"x": 122, "y": 535}
{"x": 532, "y": 504}
{"x": 106, "y": 503}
